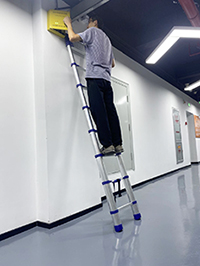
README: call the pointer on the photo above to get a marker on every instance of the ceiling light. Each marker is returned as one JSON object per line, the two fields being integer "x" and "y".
{"x": 186, "y": 32}
{"x": 170, "y": 39}
{"x": 192, "y": 86}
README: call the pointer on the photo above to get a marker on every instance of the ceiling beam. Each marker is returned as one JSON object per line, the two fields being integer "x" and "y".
{"x": 85, "y": 7}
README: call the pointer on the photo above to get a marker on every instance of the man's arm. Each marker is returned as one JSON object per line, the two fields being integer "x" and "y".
{"x": 73, "y": 37}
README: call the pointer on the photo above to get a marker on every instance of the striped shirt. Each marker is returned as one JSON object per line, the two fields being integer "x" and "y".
{"x": 99, "y": 53}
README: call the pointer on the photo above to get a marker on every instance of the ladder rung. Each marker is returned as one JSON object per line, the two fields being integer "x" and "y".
{"x": 124, "y": 206}
{"x": 74, "y": 63}
{"x": 78, "y": 51}
{"x": 82, "y": 68}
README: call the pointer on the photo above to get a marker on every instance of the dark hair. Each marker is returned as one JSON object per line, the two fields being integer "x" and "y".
{"x": 94, "y": 17}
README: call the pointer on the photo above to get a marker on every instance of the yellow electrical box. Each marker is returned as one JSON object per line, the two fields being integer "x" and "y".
{"x": 55, "y": 22}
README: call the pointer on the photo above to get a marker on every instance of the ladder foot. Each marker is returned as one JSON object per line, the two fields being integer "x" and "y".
{"x": 118, "y": 228}
{"x": 137, "y": 216}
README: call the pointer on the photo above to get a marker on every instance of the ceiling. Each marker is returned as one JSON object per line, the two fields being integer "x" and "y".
{"x": 137, "y": 27}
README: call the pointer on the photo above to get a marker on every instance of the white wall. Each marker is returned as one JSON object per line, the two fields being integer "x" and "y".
{"x": 17, "y": 134}
{"x": 40, "y": 114}
{"x": 68, "y": 179}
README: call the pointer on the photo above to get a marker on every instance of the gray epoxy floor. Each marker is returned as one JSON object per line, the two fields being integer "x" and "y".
{"x": 168, "y": 235}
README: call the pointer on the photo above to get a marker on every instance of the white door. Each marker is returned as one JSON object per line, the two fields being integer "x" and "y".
{"x": 192, "y": 138}
{"x": 121, "y": 99}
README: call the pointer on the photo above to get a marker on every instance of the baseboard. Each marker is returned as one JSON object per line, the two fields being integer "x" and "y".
{"x": 46, "y": 225}
{"x": 17, "y": 231}
{"x": 69, "y": 218}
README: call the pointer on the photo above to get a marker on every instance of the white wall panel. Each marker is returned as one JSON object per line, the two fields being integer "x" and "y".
{"x": 17, "y": 134}
{"x": 72, "y": 176}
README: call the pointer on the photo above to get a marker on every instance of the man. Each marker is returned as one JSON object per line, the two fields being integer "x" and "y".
{"x": 99, "y": 61}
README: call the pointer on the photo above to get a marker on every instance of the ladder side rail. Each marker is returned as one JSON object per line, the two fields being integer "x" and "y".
{"x": 84, "y": 103}
{"x": 128, "y": 188}
{"x": 76, "y": 76}
{"x": 109, "y": 195}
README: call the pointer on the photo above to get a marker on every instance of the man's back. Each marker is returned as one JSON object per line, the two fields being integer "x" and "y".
{"x": 98, "y": 53}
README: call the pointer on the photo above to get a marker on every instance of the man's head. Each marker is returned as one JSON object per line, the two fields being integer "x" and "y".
{"x": 95, "y": 21}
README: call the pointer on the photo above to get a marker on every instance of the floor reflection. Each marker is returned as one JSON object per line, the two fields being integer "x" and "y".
{"x": 126, "y": 249}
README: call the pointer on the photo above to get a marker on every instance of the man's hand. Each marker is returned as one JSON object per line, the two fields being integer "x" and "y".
{"x": 67, "y": 21}
{"x": 73, "y": 37}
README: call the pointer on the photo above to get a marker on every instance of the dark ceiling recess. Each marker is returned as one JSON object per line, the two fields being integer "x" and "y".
{"x": 137, "y": 27}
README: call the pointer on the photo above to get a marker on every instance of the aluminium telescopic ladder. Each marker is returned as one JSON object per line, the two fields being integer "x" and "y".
{"x": 114, "y": 211}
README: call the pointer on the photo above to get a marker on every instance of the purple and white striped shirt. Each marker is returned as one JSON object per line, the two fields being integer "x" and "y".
{"x": 99, "y": 53}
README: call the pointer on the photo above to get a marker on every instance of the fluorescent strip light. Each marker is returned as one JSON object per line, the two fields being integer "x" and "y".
{"x": 161, "y": 49}
{"x": 187, "y": 32}
{"x": 170, "y": 39}
{"x": 192, "y": 86}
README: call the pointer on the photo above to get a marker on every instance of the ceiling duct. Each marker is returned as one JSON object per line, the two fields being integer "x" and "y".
{"x": 85, "y": 7}
{"x": 191, "y": 11}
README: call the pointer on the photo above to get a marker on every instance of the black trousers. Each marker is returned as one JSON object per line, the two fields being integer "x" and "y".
{"x": 103, "y": 111}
